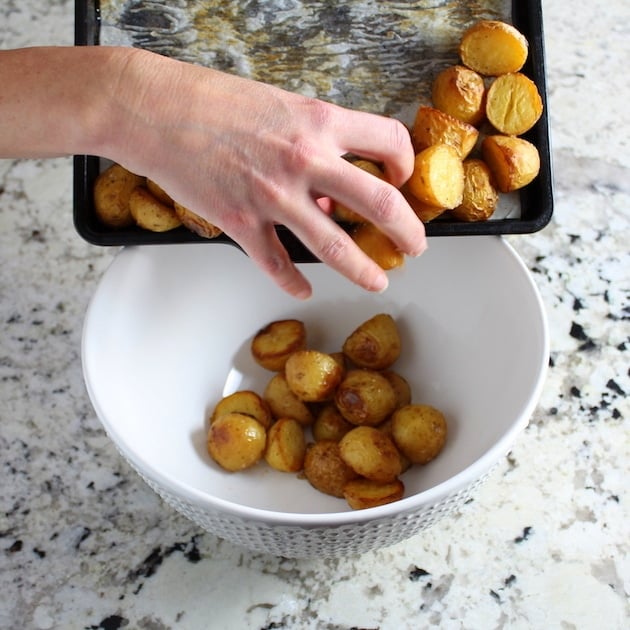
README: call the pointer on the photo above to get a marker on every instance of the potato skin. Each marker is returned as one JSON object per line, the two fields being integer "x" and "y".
{"x": 401, "y": 387}
{"x": 365, "y": 397}
{"x": 246, "y": 402}
{"x": 284, "y": 403}
{"x": 274, "y": 344}
{"x": 492, "y": 47}
{"x": 286, "y": 445}
{"x": 513, "y": 104}
{"x": 150, "y": 214}
{"x": 236, "y": 441}
{"x": 330, "y": 424}
{"x": 159, "y": 193}
{"x": 361, "y": 494}
{"x": 460, "y": 92}
{"x": 374, "y": 344}
{"x": 419, "y": 432}
{"x": 438, "y": 177}
{"x": 480, "y": 196}
{"x": 312, "y": 375}
{"x": 378, "y": 246}
{"x": 325, "y": 470}
{"x": 112, "y": 190}
{"x": 432, "y": 126}
{"x": 514, "y": 162}
{"x": 371, "y": 454}
{"x": 193, "y": 222}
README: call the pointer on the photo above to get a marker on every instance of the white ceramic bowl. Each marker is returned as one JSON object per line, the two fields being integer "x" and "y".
{"x": 167, "y": 334}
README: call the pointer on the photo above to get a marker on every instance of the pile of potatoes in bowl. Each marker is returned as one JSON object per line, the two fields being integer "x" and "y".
{"x": 344, "y": 421}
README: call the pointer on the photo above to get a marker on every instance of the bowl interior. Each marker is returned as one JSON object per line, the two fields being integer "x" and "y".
{"x": 168, "y": 331}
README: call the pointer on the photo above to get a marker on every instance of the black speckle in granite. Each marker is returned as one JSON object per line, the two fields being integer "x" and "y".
{"x": 39, "y": 552}
{"x": 614, "y": 497}
{"x": 495, "y": 595}
{"x": 577, "y": 332}
{"x": 575, "y": 392}
{"x": 574, "y": 238}
{"x": 524, "y": 536}
{"x": 15, "y": 547}
{"x": 577, "y": 304}
{"x": 85, "y": 533}
{"x": 416, "y": 573}
{"x": 509, "y": 580}
{"x": 613, "y": 386}
{"x": 553, "y": 411}
{"x": 36, "y": 236}
{"x": 113, "y": 622}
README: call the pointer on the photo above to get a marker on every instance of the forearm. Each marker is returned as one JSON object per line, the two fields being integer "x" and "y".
{"x": 61, "y": 100}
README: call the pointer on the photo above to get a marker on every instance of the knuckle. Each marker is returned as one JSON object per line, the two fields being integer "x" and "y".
{"x": 301, "y": 155}
{"x": 320, "y": 113}
{"x": 399, "y": 136}
{"x": 334, "y": 250}
{"x": 384, "y": 204}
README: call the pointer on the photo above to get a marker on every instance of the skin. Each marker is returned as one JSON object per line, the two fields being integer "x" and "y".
{"x": 242, "y": 154}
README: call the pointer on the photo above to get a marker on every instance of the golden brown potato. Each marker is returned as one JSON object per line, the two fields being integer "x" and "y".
{"x": 401, "y": 387}
{"x": 273, "y": 344}
{"x": 325, "y": 470}
{"x": 236, "y": 441}
{"x": 200, "y": 226}
{"x": 513, "y": 105}
{"x": 480, "y": 196}
{"x": 386, "y": 428}
{"x": 246, "y": 402}
{"x": 514, "y": 162}
{"x": 312, "y": 375}
{"x": 365, "y": 397}
{"x": 112, "y": 189}
{"x": 460, "y": 92}
{"x": 432, "y": 126}
{"x": 284, "y": 403}
{"x": 424, "y": 211}
{"x": 286, "y": 445}
{"x": 374, "y": 344}
{"x": 419, "y": 432}
{"x": 361, "y": 494}
{"x": 159, "y": 193}
{"x": 491, "y": 48}
{"x": 149, "y": 213}
{"x": 345, "y": 214}
{"x": 438, "y": 177}
{"x": 330, "y": 424}
{"x": 378, "y": 246}
{"x": 370, "y": 453}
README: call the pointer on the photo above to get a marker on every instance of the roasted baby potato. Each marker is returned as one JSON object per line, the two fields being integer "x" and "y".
{"x": 371, "y": 454}
{"x": 149, "y": 213}
{"x": 361, "y": 494}
{"x": 401, "y": 387}
{"x": 325, "y": 470}
{"x": 491, "y": 48}
{"x": 424, "y": 211}
{"x": 330, "y": 424}
{"x": 378, "y": 246}
{"x": 159, "y": 193}
{"x": 365, "y": 397}
{"x": 345, "y": 214}
{"x": 432, "y": 126}
{"x": 419, "y": 432}
{"x": 513, "y": 105}
{"x": 480, "y": 195}
{"x": 200, "y": 226}
{"x": 286, "y": 445}
{"x": 112, "y": 190}
{"x": 375, "y": 344}
{"x": 273, "y": 344}
{"x": 438, "y": 177}
{"x": 236, "y": 441}
{"x": 460, "y": 92}
{"x": 514, "y": 162}
{"x": 284, "y": 403}
{"x": 312, "y": 375}
{"x": 246, "y": 402}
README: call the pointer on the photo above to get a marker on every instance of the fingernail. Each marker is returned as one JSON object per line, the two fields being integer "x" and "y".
{"x": 420, "y": 251}
{"x": 380, "y": 284}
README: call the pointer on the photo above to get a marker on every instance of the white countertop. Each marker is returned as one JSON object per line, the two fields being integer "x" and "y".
{"x": 544, "y": 544}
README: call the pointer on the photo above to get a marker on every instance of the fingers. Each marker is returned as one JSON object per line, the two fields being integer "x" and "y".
{"x": 263, "y": 246}
{"x": 377, "y": 201}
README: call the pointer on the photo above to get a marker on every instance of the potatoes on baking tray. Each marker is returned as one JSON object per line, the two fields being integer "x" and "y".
{"x": 342, "y": 420}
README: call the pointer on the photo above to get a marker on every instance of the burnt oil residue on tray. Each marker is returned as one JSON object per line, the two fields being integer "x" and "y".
{"x": 375, "y": 56}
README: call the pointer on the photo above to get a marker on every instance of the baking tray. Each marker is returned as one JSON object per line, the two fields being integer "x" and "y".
{"x": 390, "y": 84}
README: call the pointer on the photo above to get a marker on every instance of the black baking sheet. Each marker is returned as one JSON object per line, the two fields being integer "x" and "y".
{"x": 144, "y": 25}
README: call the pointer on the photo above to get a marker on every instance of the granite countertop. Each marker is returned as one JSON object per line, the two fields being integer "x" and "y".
{"x": 544, "y": 544}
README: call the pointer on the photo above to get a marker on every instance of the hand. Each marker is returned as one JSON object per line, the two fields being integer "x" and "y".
{"x": 247, "y": 156}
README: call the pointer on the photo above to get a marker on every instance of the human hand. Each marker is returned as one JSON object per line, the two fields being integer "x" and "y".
{"x": 247, "y": 156}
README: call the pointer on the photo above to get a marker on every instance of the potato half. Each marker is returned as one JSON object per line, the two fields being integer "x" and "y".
{"x": 236, "y": 441}
{"x": 284, "y": 403}
{"x": 419, "y": 431}
{"x": 325, "y": 470}
{"x": 286, "y": 445}
{"x": 151, "y": 214}
{"x": 375, "y": 343}
{"x": 378, "y": 246}
{"x": 514, "y": 162}
{"x": 312, "y": 375}
{"x": 361, "y": 494}
{"x": 365, "y": 397}
{"x": 480, "y": 195}
{"x": 513, "y": 105}
{"x": 370, "y": 453}
{"x": 432, "y": 126}
{"x": 277, "y": 341}
{"x": 112, "y": 190}
{"x": 200, "y": 226}
{"x": 460, "y": 92}
{"x": 246, "y": 402}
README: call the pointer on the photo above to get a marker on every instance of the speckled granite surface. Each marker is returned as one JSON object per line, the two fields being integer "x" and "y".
{"x": 545, "y": 543}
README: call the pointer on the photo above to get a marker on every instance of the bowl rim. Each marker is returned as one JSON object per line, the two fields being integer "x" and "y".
{"x": 407, "y": 505}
